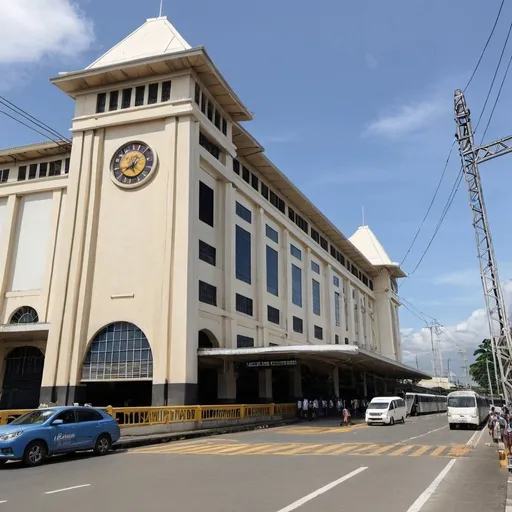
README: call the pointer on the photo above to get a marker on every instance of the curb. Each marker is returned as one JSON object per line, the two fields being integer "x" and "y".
{"x": 134, "y": 441}
{"x": 508, "y": 502}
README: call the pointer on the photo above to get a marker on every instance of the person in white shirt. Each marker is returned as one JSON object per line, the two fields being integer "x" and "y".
{"x": 299, "y": 408}
{"x": 305, "y": 409}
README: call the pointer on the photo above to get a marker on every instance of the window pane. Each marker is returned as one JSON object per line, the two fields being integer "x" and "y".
{"x": 127, "y": 98}
{"x": 296, "y": 286}
{"x": 243, "y": 255}
{"x": 139, "y": 95}
{"x": 152, "y": 94}
{"x": 166, "y": 91}
{"x": 206, "y": 204}
{"x": 243, "y": 212}
{"x": 316, "y": 297}
{"x": 294, "y": 251}
{"x": 113, "y": 100}
{"x": 272, "y": 234}
{"x": 315, "y": 267}
{"x": 101, "y": 101}
{"x": 272, "y": 271}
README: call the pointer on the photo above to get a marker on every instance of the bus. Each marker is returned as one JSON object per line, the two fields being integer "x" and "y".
{"x": 424, "y": 403}
{"x": 467, "y": 408}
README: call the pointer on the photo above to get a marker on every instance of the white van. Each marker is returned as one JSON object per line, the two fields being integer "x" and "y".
{"x": 386, "y": 409}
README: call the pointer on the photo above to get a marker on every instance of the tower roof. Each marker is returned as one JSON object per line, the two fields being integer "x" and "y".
{"x": 155, "y": 37}
{"x": 365, "y": 240}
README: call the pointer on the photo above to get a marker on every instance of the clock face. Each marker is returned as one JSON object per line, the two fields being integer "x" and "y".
{"x": 132, "y": 164}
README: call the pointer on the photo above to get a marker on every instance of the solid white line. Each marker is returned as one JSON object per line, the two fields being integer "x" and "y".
{"x": 427, "y": 493}
{"x": 68, "y": 488}
{"x": 318, "y": 492}
{"x": 426, "y": 434}
{"x": 5, "y": 501}
{"x": 470, "y": 442}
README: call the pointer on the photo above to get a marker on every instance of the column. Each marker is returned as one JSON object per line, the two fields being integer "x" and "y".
{"x": 182, "y": 369}
{"x": 336, "y": 381}
{"x": 308, "y": 297}
{"x": 330, "y": 327}
{"x": 365, "y": 387}
{"x": 295, "y": 382}
{"x": 359, "y": 313}
{"x": 351, "y": 316}
{"x": 261, "y": 281}
{"x": 230, "y": 322}
{"x": 265, "y": 385}
{"x": 6, "y": 246}
{"x": 287, "y": 285}
{"x": 226, "y": 384}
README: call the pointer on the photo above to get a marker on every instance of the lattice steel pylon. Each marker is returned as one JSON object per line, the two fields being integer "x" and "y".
{"x": 497, "y": 317}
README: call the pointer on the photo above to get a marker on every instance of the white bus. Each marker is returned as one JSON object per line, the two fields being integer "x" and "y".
{"x": 424, "y": 403}
{"x": 467, "y": 408}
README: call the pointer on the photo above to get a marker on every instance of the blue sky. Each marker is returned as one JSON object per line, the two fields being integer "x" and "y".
{"x": 352, "y": 100}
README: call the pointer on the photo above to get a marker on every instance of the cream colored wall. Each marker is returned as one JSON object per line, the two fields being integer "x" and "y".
{"x": 30, "y": 212}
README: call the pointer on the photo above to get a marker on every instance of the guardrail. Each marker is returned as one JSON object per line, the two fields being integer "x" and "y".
{"x": 147, "y": 416}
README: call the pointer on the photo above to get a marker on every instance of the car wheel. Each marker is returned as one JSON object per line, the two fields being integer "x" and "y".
{"x": 35, "y": 453}
{"x": 452, "y": 426}
{"x": 403, "y": 420}
{"x": 368, "y": 423}
{"x": 103, "y": 444}
{"x": 2, "y": 462}
{"x": 392, "y": 421}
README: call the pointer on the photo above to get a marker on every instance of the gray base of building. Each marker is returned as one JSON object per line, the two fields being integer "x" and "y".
{"x": 46, "y": 394}
{"x": 182, "y": 394}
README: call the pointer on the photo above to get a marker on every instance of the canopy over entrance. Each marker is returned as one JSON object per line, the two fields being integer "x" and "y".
{"x": 347, "y": 356}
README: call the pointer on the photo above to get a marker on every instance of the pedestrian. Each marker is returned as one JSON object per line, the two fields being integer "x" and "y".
{"x": 331, "y": 407}
{"x": 299, "y": 408}
{"x": 324, "y": 407}
{"x": 305, "y": 408}
{"x": 339, "y": 406}
{"x": 315, "y": 409}
{"x": 347, "y": 420}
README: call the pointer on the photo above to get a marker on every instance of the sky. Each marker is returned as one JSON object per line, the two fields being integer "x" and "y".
{"x": 352, "y": 100}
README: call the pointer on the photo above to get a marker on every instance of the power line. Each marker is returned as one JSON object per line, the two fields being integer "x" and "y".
{"x": 446, "y": 208}
{"x": 402, "y": 299}
{"x": 497, "y": 99}
{"x": 27, "y": 125}
{"x": 430, "y": 205}
{"x": 413, "y": 313}
{"x": 18, "y": 110}
{"x": 486, "y": 45}
{"x": 493, "y": 78}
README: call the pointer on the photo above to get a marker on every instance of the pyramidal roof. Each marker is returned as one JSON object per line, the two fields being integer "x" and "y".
{"x": 367, "y": 243}
{"x": 155, "y": 37}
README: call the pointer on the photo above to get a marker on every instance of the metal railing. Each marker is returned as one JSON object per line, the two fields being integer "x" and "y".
{"x": 147, "y": 416}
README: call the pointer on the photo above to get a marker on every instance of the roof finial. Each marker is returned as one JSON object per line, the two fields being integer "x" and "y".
{"x": 362, "y": 208}
{"x": 161, "y": 8}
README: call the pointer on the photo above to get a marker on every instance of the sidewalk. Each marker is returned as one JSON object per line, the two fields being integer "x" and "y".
{"x": 131, "y": 441}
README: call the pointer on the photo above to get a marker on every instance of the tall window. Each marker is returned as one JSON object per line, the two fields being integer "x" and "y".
{"x": 316, "y": 297}
{"x": 272, "y": 271}
{"x": 296, "y": 285}
{"x": 337, "y": 308}
{"x": 126, "y": 98}
{"x": 243, "y": 255}
{"x": 205, "y": 204}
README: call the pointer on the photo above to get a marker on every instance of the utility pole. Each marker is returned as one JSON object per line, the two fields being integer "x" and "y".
{"x": 449, "y": 375}
{"x": 471, "y": 156}
{"x": 437, "y": 358}
{"x": 464, "y": 367}
{"x": 417, "y": 364}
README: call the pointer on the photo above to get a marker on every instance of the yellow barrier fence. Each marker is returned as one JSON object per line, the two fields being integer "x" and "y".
{"x": 147, "y": 416}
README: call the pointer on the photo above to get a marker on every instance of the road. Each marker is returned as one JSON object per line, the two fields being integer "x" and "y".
{"x": 312, "y": 466}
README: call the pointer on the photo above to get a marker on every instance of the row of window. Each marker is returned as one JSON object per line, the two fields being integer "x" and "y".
{"x": 207, "y": 144}
{"x": 40, "y": 170}
{"x": 209, "y": 109}
{"x": 133, "y": 97}
{"x": 279, "y": 203}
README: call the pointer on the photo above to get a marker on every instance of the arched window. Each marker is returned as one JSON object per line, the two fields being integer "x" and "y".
{"x": 119, "y": 351}
{"x": 25, "y": 315}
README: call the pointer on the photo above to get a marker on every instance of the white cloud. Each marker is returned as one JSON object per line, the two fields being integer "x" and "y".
{"x": 406, "y": 119}
{"x": 35, "y": 29}
{"x": 466, "y": 335}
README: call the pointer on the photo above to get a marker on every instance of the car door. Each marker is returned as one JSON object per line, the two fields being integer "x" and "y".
{"x": 392, "y": 409}
{"x": 63, "y": 436}
{"x": 88, "y": 427}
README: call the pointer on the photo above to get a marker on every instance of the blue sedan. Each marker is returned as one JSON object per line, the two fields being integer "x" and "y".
{"x": 44, "y": 432}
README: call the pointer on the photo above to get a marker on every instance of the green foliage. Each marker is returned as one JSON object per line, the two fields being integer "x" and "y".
{"x": 478, "y": 370}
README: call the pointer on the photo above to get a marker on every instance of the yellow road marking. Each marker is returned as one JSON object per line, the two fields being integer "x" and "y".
{"x": 365, "y": 449}
{"x": 402, "y": 450}
{"x": 438, "y": 451}
{"x": 421, "y": 450}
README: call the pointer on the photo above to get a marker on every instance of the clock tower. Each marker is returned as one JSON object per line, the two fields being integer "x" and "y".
{"x": 125, "y": 312}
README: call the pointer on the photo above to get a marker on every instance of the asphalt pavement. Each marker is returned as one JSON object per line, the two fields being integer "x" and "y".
{"x": 310, "y": 466}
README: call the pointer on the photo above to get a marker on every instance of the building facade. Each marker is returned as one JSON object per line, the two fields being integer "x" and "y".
{"x": 162, "y": 229}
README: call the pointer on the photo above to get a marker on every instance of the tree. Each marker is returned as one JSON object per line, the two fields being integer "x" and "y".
{"x": 478, "y": 370}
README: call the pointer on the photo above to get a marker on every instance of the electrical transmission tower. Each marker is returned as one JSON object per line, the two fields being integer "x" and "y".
{"x": 437, "y": 357}
{"x": 497, "y": 318}
{"x": 464, "y": 368}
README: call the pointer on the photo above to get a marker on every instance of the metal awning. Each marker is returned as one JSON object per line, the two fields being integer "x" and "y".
{"x": 343, "y": 356}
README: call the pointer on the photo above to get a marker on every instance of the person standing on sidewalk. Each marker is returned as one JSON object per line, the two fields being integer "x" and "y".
{"x": 299, "y": 408}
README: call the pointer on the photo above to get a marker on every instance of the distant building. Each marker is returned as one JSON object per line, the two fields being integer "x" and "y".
{"x": 437, "y": 382}
{"x": 162, "y": 258}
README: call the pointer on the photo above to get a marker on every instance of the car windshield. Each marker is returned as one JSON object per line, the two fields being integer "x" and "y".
{"x": 378, "y": 405}
{"x": 461, "y": 401}
{"x": 34, "y": 417}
